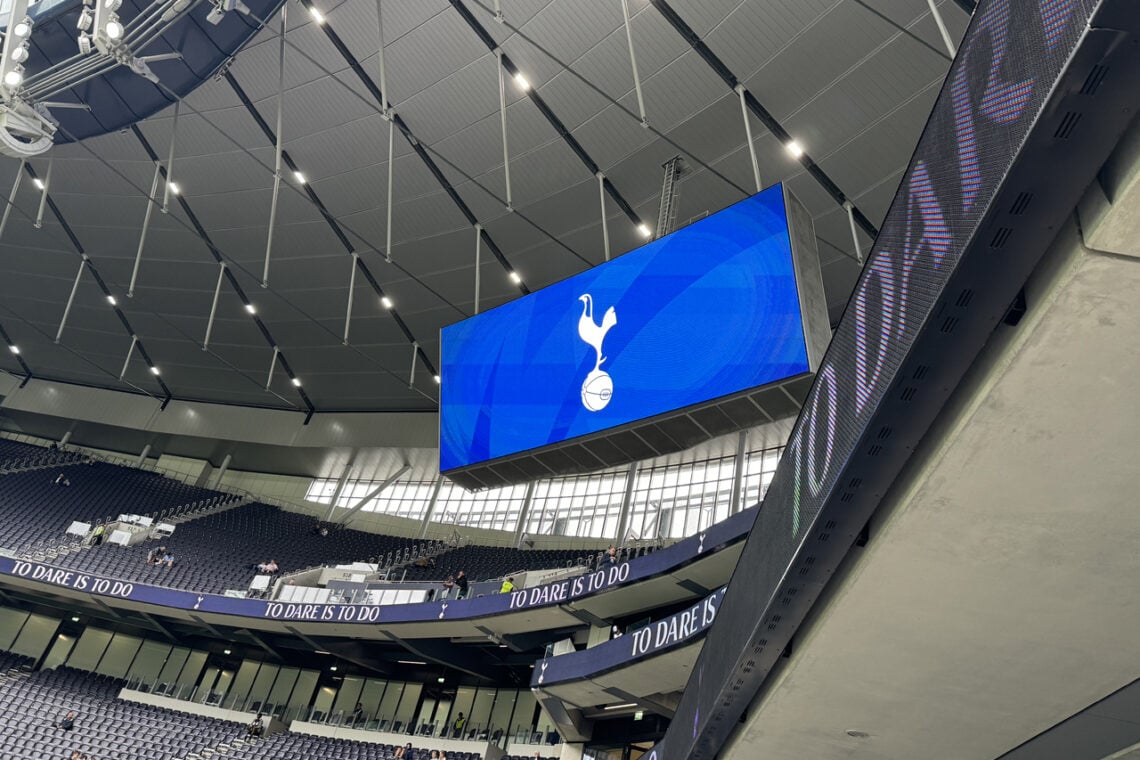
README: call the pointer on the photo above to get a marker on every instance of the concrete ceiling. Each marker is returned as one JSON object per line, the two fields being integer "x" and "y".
{"x": 853, "y": 80}
{"x": 997, "y": 595}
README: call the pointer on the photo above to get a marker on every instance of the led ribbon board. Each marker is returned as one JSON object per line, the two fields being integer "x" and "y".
{"x": 1038, "y": 95}
{"x": 706, "y": 312}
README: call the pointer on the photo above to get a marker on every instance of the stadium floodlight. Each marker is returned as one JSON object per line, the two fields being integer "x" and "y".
{"x": 154, "y": 370}
{"x": 84, "y": 41}
{"x": 299, "y": 177}
{"x": 515, "y": 278}
{"x": 85, "y": 20}
{"x": 250, "y": 308}
{"x": 386, "y": 302}
{"x": 643, "y": 228}
{"x": 20, "y": 54}
{"x": 111, "y": 300}
{"x": 297, "y": 381}
{"x": 114, "y": 29}
{"x": 794, "y": 148}
{"x": 23, "y": 29}
{"x": 215, "y": 15}
{"x": 522, "y": 81}
{"x": 317, "y": 16}
{"x": 436, "y": 378}
{"x": 15, "y": 77}
{"x": 14, "y": 349}
{"x": 39, "y": 183}
{"x": 113, "y": 5}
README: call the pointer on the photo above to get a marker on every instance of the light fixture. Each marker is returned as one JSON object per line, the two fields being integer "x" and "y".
{"x": 154, "y": 371}
{"x": 299, "y": 177}
{"x": 14, "y": 349}
{"x": 386, "y": 302}
{"x": 84, "y": 40}
{"x": 440, "y": 679}
{"x": 20, "y": 54}
{"x": 226, "y": 651}
{"x": 111, "y": 300}
{"x": 515, "y": 278}
{"x": 250, "y": 308}
{"x": 411, "y": 662}
{"x": 794, "y": 148}
{"x": 332, "y": 667}
{"x": 114, "y": 30}
{"x": 215, "y": 15}
{"x": 14, "y": 77}
{"x": 112, "y": 5}
{"x": 297, "y": 381}
{"x": 39, "y": 183}
{"x": 23, "y": 29}
{"x": 643, "y": 228}
{"x": 75, "y": 618}
{"x": 436, "y": 378}
{"x": 623, "y": 706}
{"x": 174, "y": 188}
{"x": 502, "y": 646}
{"x": 522, "y": 82}
{"x": 316, "y": 14}
{"x": 319, "y": 651}
{"x": 83, "y": 23}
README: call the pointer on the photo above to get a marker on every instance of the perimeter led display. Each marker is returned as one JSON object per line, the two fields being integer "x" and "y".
{"x": 703, "y": 313}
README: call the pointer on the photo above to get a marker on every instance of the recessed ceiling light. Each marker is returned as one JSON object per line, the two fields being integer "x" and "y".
{"x": 297, "y": 382}
{"x": 623, "y": 706}
{"x": 14, "y": 349}
{"x": 154, "y": 371}
{"x": 174, "y": 188}
{"x": 440, "y": 679}
{"x": 795, "y": 149}
{"x": 436, "y": 378}
{"x": 250, "y": 308}
{"x": 39, "y": 183}
{"x": 226, "y": 651}
{"x": 522, "y": 82}
{"x": 643, "y": 228}
{"x": 332, "y": 667}
{"x": 316, "y": 15}
{"x": 111, "y": 300}
{"x": 386, "y": 302}
{"x": 299, "y": 177}
{"x": 515, "y": 278}
{"x": 75, "y": 618}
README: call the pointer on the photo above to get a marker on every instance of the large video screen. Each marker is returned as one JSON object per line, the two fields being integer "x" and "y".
{"x": 708, "y": 311}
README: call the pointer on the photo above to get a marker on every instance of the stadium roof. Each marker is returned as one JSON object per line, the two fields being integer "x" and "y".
{"x": 851, "y": 81}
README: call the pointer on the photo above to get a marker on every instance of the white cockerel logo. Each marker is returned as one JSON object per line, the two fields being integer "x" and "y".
{"x": 597, "y": 388}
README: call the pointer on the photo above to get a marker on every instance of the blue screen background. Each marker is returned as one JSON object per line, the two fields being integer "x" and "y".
{"x": 707, "y": 311}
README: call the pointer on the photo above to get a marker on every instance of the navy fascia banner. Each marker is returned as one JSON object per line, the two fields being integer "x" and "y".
{"x": 656, "y": 638}
{"x": 1012, "y": 55}
{"x": 598, "y": 581}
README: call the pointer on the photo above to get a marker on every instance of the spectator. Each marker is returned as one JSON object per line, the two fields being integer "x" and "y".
{"x": 449, "y": 583}
{"x": 357, "y": 715}
{"x": 67, "y": 723}
{"x": 611, "y": 555}
{"x": 461, "y": 584}
{"x": 615, "y": 633}
{"x": 457, "y": 727}
{"x": 269, "y": 567}
{"x": 97, "y": 535}
{"x": 155, "y": 555}
{"x": 508, "y": 586}
{"x": 404, "y": 752}
{"x": 256, "y": 729}
{"x": 168, "y": 559}
{"x": 59, "y": 479}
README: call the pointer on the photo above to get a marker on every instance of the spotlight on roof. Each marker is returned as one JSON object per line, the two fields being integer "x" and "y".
{"x": 436, "y": 378}
{"x": 299, "y": 177}
{"x": 39, "y": 183}
{"x": 111, "y": 300}
{"x": 522, "y": 82}
{"x": 174, "y": 188}
{"x": 14, "y": 77}
{"x": 114, "y": 30}
{"x": 297, "y": 381}
{"x": 515, "y": 278}
{"x": 226, "y": 651}
{"x": 386, "y": 302}
{"x": 83, "y": 23}
{"x": 795, "y": 149}
{"x": 23, "y": 29}
{"x": 14, "y": 349}
{"x": 643, "y": 228}
{"x": 20, "y": 54}
{"x": 75, "y": 618}
{"x": 332, "y": 667}
{"x": 250, "y": 308}
{"x": 441, "y": 679}
{"x": 113, "y": 5}
{"x": 154, "y": 371}
{"x": 320, "y": 19}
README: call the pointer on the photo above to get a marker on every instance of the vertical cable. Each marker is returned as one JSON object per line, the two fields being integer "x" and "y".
{"x": 503, "y": 123}
{"x": 850, "y": 209}
{"x": 412, "y": 376}
{"x": 478, "y": 254}
{"x": 605, "y": 224}
{"x": 391, "y": 170}
{"x": 633, "y": 63}
{"x": 170, "y": 158}
{"x": 272, "y": 366}
{"x": 748, "y": 134}
{"x": 150, "y": 204}
{"x": 127, "y": 361}
{"x": 386, "y": 112}
{"x": 279, "y": 147}
{"x": 11, "y": 196}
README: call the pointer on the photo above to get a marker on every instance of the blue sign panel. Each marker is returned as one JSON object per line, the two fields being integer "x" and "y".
{"x": 705, "y": 312}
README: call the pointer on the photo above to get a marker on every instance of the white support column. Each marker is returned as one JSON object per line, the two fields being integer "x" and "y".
{"x": 272, "y": 366}
{"x": 748, "y": 134}
{"x": 478, "y": 262}
{"x": 946, "y": 40}
{"x": 222, "y": 470}
{"x": 391, "y": 171}
{"x": 340, "y": 484}
{"x": 633, "y": 63}
{"x": 431, "y": 506}
{"x": 626, "y": 504}
{"x": 142, "y": 457}
{"x": 524, "y": 515}
{"x": 503, "y": 124}
{"x": 12, "y": 196}
{"x": 412, "y": 375}
{"x": 278, "y": 148}
{"x": 127, "y": 361}
{"x": 71, "y": 298}
{"x": 66, "y": 438}
{"x": 214, "y": 306}
{"x": 170, "y": 159}
{"x": 739, "y": 463}
{"x": 850, "y": 209}
{"x": 150, "y": 204}
{"x": 351, "y": 291}
{"x": 605, "y": 224}
{"x": 44, "y": 194}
